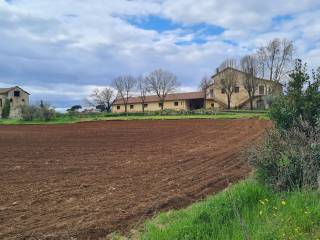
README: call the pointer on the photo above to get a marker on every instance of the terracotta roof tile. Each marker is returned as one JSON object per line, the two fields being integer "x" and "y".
{"x": 170, "y": 97}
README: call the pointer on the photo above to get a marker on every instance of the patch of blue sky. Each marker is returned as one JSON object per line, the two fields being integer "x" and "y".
{"x": 197, "y": 41}
{"x": 281, "y": 18}
{"x": 231, "y": 42}
{"x": 152, "y": 22}
{"x": 201, "y": 31}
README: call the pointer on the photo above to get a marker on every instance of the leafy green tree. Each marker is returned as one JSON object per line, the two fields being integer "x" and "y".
{"x": 302, "y": 101}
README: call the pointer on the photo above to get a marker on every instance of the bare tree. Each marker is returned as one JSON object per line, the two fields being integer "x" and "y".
{"x": 228, "y": 63}
{"x": 162, "y": 82}
{"x": 124, "y": 85}
{"x": 275, "y": 58}
{"x": 249, "y": 67}
{"x": 102, "y": 99}
{"x": 228, "y": 81}
{"x": 204, "y": 86}
{"x": 143, "y": 89}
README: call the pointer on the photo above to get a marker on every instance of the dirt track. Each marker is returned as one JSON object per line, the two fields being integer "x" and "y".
{"x": 86, "y": 180}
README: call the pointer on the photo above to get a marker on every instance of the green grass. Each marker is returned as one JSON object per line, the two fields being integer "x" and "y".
{"x": 64, "y": 118}
{"x": 264, "y": 215}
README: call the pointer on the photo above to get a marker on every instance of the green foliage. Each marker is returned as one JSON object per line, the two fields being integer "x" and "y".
{"x": 288, "y": 160}
{"x": 302, "y": 102}
{"x": 45, "y": 112}
{"x": 6, "y": 109}
{"x": 84, "y": 117}
{"x": 289, "y": 157}
{"x": 28, "y": 113}
{"x": 247, "y": 209}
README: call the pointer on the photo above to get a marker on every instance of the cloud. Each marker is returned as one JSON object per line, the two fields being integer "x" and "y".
{"x": 59, "y": 50}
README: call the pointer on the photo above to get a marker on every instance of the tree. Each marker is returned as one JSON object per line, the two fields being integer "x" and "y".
{"x": 249, "y": 67}
{"x": 101, "y": 99}
{"x": 74, "y": 108}
{"x": 143, "y": 89}
{"x": 275, "y": 58}
{"x": 6, "y": 109}
{"x": 204, "y": 86}
{"x": 228, "y": 81}
{"x": 162, "y": 82}
{"x": 302, "y": 101}
{"x": 124, "y": 85}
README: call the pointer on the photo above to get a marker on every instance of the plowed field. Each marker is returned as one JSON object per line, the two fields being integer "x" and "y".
{"x": 86, "y": 180}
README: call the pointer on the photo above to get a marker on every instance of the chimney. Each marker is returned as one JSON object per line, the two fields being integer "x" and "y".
{"x": 217, "y": 70}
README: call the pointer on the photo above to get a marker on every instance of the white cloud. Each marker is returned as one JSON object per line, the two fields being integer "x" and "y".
{"x": 61, "y": 48}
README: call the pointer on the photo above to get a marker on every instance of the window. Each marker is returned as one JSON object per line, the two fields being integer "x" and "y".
{"x": 16, "y": 93}
{"x": 261, "y": 90}
{"x": 212, "y": 105}
{"x": 211, "y": 93}
{"x": 11, "y": 100}
{"x": 22, "y": 100}
{"x": 237, "y": 89}
{"x": 223, "y": 91}
{"x": 0, "y": 102}
{"x": 145, "y": 105}
{"x": 118, "y": 107}
{"x": 176, "y": 103}
{"x": 131, "y": 106}
{"x": 261, "y": 104}
{"x": 160, "y": 104}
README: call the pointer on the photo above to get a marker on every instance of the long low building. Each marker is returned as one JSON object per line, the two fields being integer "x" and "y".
{"x": 176, "y": 101}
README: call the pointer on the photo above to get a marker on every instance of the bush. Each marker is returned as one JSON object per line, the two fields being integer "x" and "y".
{"x": 43, "y": 112}
{"x": 46, "y": 112}
{"x": 6, "y": 109}
{"x": 28, "y": 113}
{"x": 290, "y": 159}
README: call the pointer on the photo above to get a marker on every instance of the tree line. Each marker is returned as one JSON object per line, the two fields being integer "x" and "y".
{"x": 160, "y": 82}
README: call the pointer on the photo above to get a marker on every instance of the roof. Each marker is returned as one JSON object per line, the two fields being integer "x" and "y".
{"x": 170, "y": 97}
{"x": 6, "y": 90}
{"x": 262, "y": 79}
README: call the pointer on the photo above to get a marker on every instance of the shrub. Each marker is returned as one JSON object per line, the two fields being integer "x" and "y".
{"x": 6, "y": 109}
{"x": 289, "y": 159}
{"x": 28, "y": 113}
{"x": 46, "y": 112}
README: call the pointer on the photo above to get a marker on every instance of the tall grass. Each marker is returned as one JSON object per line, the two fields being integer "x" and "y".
{"x": 260, "y": 214}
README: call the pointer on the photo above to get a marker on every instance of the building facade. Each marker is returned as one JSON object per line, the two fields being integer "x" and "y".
{"x": 17, "y": 97}
{"x": 215, "y": 97}
{"x": 176, "y": 101}
{"x": 240, "y": 98}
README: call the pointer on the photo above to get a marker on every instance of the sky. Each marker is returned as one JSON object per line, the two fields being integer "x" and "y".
{"x": 61, "y": 50}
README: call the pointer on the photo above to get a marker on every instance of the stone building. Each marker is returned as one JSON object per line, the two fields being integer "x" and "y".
{"x": 16, "y": 97}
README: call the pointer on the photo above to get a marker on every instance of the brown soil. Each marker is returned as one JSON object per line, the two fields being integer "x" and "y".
{"x": 89, "y": 179}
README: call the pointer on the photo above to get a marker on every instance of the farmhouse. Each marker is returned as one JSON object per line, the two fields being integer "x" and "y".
{"x": 15, "y": 97}
{"x": 214, "y": 98}
{"x": 240, "y": 99}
